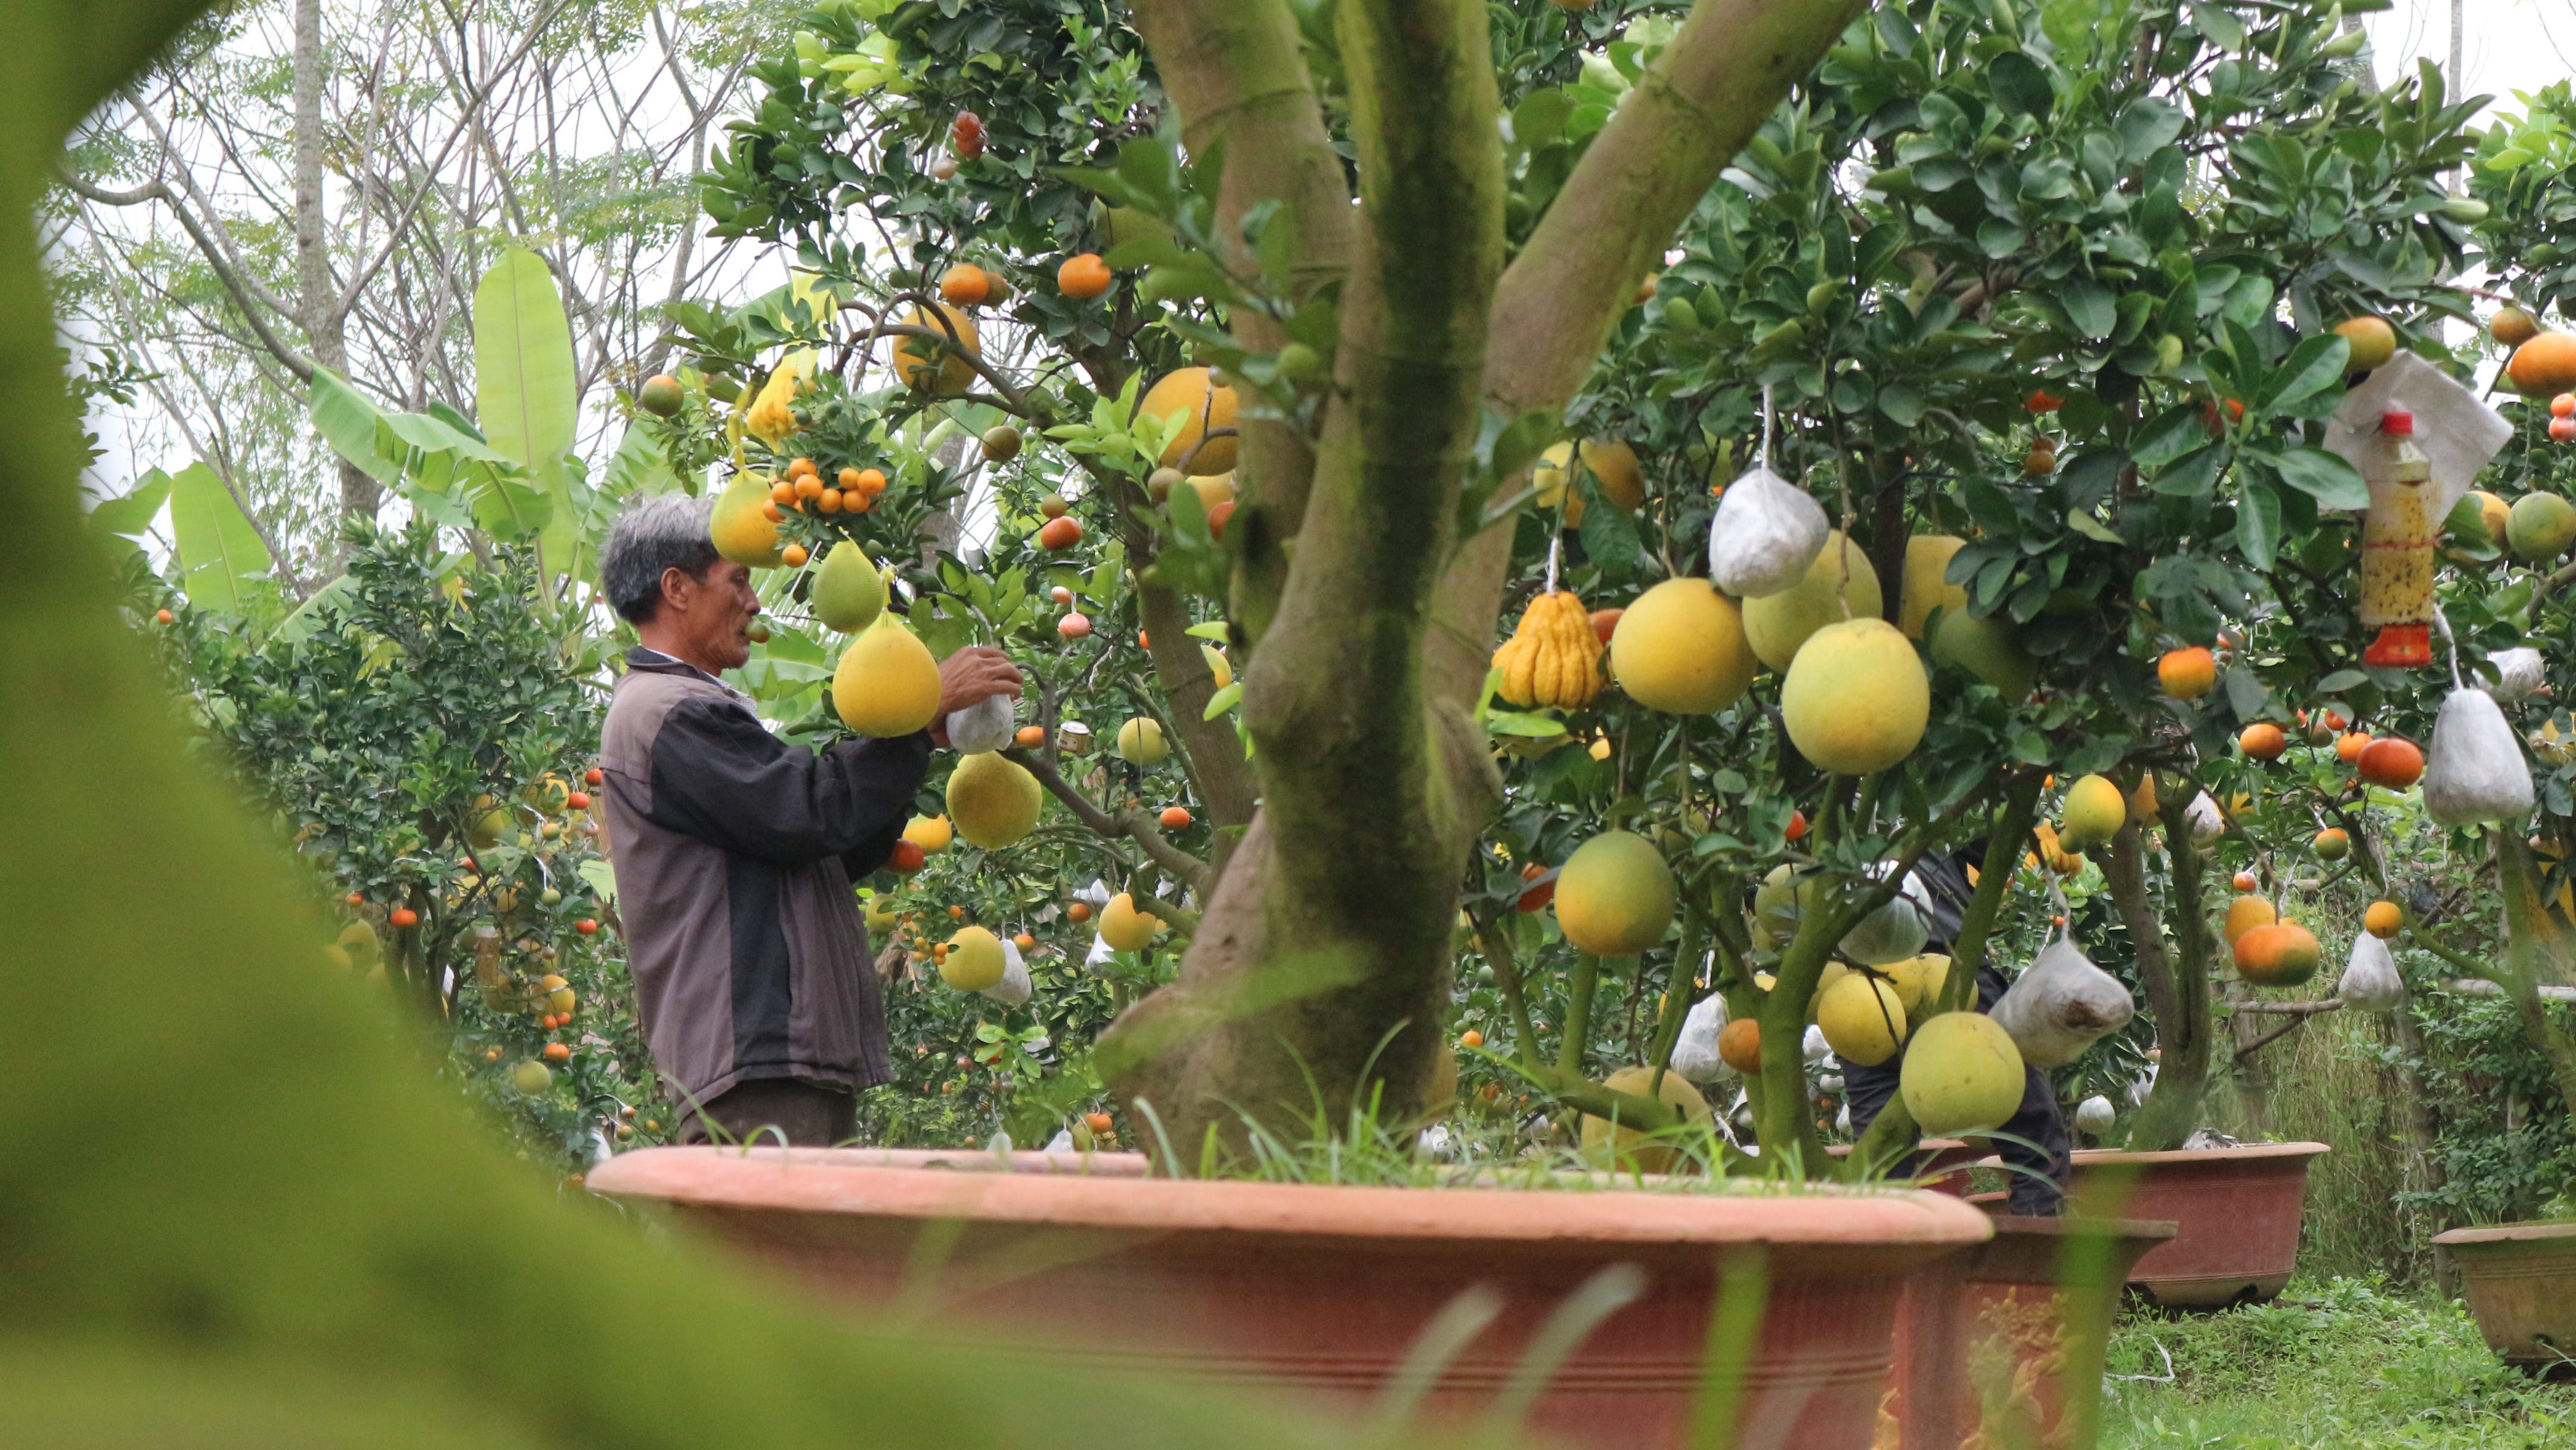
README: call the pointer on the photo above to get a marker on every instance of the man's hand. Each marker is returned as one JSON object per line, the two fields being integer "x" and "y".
{"x": 969, "y": 677}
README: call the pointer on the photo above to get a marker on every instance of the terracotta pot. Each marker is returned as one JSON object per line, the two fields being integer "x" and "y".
{"x": 2521, "y": 1282}
{"x": 1945, "y": 1164}
{"x": 1325, "y": 1289}
{"x": 2237, "y": 1209}
{"x": 2003, "y": 1344}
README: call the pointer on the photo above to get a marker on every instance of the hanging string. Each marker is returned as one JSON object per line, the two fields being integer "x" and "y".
{"x": 2065, "y": 913}
{"x": 1555, "y": 552}
{"x": 1763, "y": 457}
{"x": 1842, "y": 485}
{"x": 2452, "y": 644}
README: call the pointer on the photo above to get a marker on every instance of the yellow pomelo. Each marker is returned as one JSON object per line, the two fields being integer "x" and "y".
{"x": 1962, "y": 1075}
{"x": 931, "y": 833}
{"x": 1620, "y": 1147}
{"x": 1927, "y": 558}
{"x": 1615, "y": 471}
{"x": 993, "y": 801}
{"x": 1918, "y": 981}
{"x": 1214, "y": 489}
{"x": 847, "y": 593}
{"x": 934, "y": 367}
{"x": 1186, "y": 391}
{"x": 359, "y": 940}
{"x": 2093, "y": 813}
{"x": 2246, "y": 913}
{"x": 1777, "y": 624}
{"x": 1863, "y": 1020}
{"x": 1986, "y": 649}
{"x": 1547, "y": 483}
{"x": 881, "y": 915}
{"x": 1124, "y": 927}
{"x": 2143, "y": 804}
{"x": 1140, "y": 741}
{"x": 887, "y": 684}
{"x": 975, "y": 960}
{"x": 1614, "y": 896}
{"x": 532, "y": 1077}
{"x": 738, "y": 528}
{"x": 1856, "y": 699}
{"x": 1681, "y": 649}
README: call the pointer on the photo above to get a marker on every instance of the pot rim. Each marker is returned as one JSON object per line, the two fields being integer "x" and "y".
{"x": 810, "y": 1180}
{"x": 2532, "y": 1231}
{"x": 2098, "y": 1157}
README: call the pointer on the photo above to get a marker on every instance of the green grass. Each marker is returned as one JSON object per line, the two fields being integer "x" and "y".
{"x": 2336, "y": 1365}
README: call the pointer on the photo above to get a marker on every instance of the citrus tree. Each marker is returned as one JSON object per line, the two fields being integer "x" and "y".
{"x": 2044, "y": 309}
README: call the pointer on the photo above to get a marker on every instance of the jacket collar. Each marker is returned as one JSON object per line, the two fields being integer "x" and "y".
{"x": 653, "y": 661}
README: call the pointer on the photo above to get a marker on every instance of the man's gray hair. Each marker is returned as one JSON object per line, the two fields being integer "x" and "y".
{"x": 654, "y": 533}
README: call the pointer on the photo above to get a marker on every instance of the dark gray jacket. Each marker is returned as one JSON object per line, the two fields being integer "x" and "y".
{"x": 734, "y": 853}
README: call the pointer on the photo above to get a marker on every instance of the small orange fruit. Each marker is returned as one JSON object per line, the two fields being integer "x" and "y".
{"x": 956, "y": 913}
{"x": 2562, "y": 430}
{"x": 2246, "y": 913}
{"x": 2041, "y": 400}
{"x": 782, "y": 492}
{"x": 800, "y": 467}
{"x": 2262, "y": 740}
{"x": 1082, "y": 277}
{"x": 1024, "y": 941}
{"x": 793, "y": 556}
{"x": 2384, "y": 919}
{"x": 964, "y": 285}
{"x": 1079, "y": 911}
{"x": 1074, "y": 626}
{"x": 1797, "y": 826}
{"x": 1217, "y": 517}
{"x": 2187, "y": 673}
{"x": 2391, "y": 762}
{"x": 2348, "y": 747}
{"x": 2545, "y": 364}
{"x": 2512, "y": 326}
{"x": 1471, "y": 1038}
{"x": 1060, "y": 533}
{"x": 1175, "y": 818}
{"x": 1097, "y": 1122}
{"x": 1030, "y": 737}
{"x": 557, "y": 1052}
{"x": 404, "y": 916}
{"x": 2563, "y": 406}
{"x": 2245, "y": 881}
{"x": 1739, "y": 1045}
{"x": 595, "y": 775}
{"x": 1537, "y": 896}
{"x": 2283, "y": 954}
{"x": 586, "y": 926}
{"x": 829, "y": 501}
{"x": 2332, "y": 844}
{"x": 163, "y": 616}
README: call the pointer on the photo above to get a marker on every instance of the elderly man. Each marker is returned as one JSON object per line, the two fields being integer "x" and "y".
{"x": 735, "y": 850}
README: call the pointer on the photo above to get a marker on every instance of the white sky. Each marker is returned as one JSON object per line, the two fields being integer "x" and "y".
{"x": 2510, "y": 45}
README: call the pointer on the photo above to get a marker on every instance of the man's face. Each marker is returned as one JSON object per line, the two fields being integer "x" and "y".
{"x": 714, "y": 614}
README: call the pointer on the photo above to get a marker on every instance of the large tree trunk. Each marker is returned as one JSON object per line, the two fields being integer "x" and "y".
{"x": 317, "y": 291}
{"x": 1320, "y": 970}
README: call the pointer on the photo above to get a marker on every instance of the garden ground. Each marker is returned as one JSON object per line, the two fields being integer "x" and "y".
{"x": 2339, "y": 1363}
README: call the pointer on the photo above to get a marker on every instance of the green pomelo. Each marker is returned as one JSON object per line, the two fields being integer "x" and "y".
{"x": 1615, "y": 896}
{"x": 1856, "y": 699}
{"x": 1986, "y": 649}
{"x": 847, "y": 594}
{"x": 992, "y": 801}
{"x": 1962, "y": 1075}
{"x": 2540, "y": 526}
{"x": 1777, "y": 624}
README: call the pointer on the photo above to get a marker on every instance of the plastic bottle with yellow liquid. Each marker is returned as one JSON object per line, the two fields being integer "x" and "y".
{"x": 2397, "y": 547}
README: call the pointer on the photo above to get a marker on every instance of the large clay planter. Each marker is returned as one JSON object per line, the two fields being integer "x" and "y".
{"x": 2237, "y": 1211}
{"x": 2002, "y": 1344}
{"x": 1322, "y": 1290}
{"x": 2521, "y": 1282}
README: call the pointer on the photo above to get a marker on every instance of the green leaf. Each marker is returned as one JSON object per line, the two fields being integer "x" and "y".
{"x": 639, "y": 466}
{"x": 2089, "y": 305}
{"x": 524, "y": 391}
{"x": 2175, "y": 432}
{"x": 2323, "y": 476}
{"x": 2312, "y": 367}
{"x": 2021, "y": 85}
{"x": 219, "y": 551}
{"x": 2340, "y": 681}
{"x": 1222, "y": 701}
{"x": 1528, "y": 726}
{"x": 2091, "y": 527}
{"x": 1215, "y": 629}
{"x": 133, "y": 513}
{"x": 2223, "y": 29}
{"x": 2258, "y": 522}
{"x": 349, "y": 423}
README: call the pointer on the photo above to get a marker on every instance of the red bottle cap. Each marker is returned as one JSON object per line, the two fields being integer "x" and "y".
{"x": 2396, "y": 422}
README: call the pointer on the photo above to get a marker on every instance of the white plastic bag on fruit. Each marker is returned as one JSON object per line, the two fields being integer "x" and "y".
{"x": 1765, "y": 535}
{"x": 1813, "y": 1046}
{"x": 2208, "y": 823}
{"x": 1695, "y": 1053}
{"x": 2060, "y": 1005}
{"x": 1014, "y": 988}
{"x": 982, "y": 727}
{"x": 2095, "y": 1115}
{"x": 2474, "y": 771}
{"x": 2519, "y": 673}
{"x": 2370, "y": 981}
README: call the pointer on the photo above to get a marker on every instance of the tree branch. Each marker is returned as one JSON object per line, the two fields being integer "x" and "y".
{"x": 1134, "y": 823}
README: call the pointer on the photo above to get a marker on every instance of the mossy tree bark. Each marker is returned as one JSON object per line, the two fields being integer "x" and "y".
{"x": 2177, "y": 981}
{"x": 1319, "y": 973}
